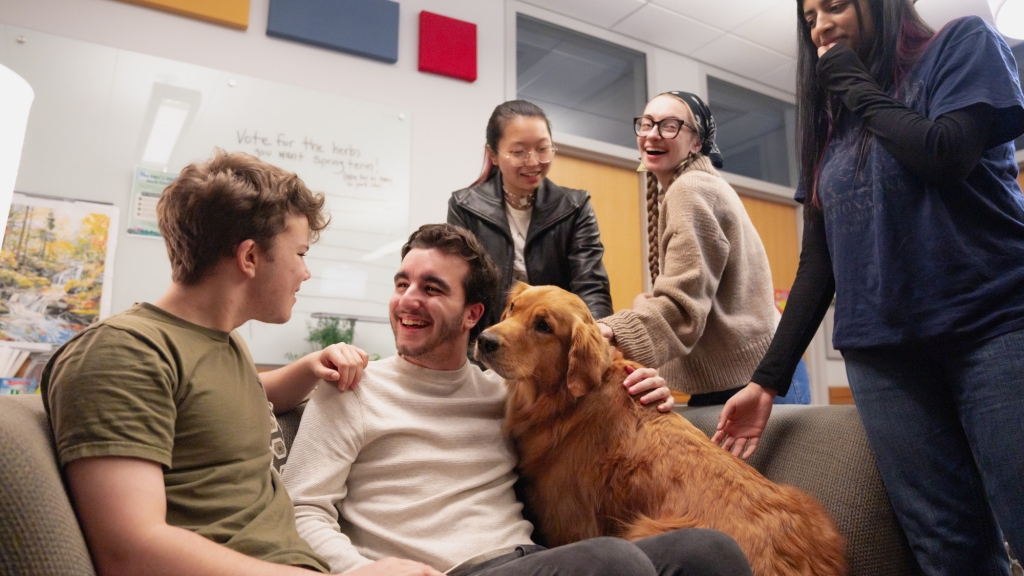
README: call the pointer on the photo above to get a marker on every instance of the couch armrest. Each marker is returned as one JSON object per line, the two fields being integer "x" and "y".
{"x": 39, "y": 533}
{"x": 823, "y": 451}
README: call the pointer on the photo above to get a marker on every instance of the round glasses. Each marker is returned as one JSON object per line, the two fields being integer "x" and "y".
{"x": 518, "y": 158}
{"x": 667, "y": 127}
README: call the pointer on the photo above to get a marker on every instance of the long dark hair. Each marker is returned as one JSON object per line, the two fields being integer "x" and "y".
{"x": 900, "y": 36}
{"x": 496, "y": 130}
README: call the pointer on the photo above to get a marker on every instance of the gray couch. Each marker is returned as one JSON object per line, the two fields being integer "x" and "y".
{"x": 820, "y": 449}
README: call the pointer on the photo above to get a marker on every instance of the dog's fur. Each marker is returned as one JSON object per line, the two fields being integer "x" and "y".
{"x": 595, "y": 462}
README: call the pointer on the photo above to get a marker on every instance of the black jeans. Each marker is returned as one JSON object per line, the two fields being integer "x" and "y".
{"x": 692, "y": 552}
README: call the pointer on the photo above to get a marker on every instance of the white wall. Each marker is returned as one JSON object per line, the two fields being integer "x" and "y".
{"x": 449, "y": 115}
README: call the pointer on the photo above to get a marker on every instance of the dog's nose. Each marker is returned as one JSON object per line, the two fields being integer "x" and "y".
{"x": 487, "y": 343}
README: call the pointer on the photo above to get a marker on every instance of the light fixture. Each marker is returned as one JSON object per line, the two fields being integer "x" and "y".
{"x": 1009, "y": 17}
{"x": 167, "y": 124}
{"x": 15, "y": 100}
{"x": 171, "y": 111}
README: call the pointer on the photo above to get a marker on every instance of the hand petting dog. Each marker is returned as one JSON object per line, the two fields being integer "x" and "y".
{"x": 643, "y": 380}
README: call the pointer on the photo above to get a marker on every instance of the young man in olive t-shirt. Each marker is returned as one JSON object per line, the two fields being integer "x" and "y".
{"x": 161, "y": 422}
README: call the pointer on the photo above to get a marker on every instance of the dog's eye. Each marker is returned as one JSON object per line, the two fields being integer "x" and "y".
{"x": 542, "y": 326}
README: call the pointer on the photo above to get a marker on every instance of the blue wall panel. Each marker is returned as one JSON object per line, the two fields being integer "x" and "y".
{"x": 362, "y": 27}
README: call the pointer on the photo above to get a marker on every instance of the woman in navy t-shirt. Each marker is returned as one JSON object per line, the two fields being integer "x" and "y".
{"x": 914, "y": 221}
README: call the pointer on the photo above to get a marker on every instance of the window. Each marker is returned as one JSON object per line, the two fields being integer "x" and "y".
{"x": 587, "y": 87}
{"x": 756, "y": 133}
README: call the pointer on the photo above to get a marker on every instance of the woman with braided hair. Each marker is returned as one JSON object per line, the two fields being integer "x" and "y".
{"x": 710, "y": 316}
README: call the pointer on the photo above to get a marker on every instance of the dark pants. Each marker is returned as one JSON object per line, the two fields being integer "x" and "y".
{"x": 945, "y": 424}
{"x": 693, "y": 552}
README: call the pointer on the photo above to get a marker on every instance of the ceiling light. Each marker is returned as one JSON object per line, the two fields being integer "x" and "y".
{"x": 170, "y": 119}
{"x": 15, "y": 100}
{"x": 1009, "y": 17}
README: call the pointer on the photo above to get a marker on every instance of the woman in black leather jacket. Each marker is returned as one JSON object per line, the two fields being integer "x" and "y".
{"x": 536, "y": 231}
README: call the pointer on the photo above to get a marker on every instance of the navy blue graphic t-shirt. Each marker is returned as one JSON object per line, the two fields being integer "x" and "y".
{"x": 916, "y": 260}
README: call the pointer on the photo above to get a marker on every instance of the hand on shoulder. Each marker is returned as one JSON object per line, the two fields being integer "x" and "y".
{"x": 340, "y": 363}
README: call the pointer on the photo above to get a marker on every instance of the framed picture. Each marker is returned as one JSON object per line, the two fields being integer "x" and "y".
{"x": 56, "y": 268}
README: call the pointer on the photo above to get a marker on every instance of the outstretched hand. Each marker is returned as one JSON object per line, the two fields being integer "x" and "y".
{"x": 341, "y": 364}
{"x": 640, "y": 380}
{"x": 743, "y": 419}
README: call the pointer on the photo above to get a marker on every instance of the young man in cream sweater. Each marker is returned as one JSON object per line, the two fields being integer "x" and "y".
{"x": 411, "y": 463}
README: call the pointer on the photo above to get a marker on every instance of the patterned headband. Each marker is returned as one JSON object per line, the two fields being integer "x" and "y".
{"x": 706, "y": 127}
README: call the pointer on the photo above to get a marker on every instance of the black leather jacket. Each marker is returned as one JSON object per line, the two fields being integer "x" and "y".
{"x": 563, "y": 244}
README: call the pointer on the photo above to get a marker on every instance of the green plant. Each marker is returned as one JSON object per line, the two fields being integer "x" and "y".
{"x": 330, "y": 331}
{"x": 327, "y": 331}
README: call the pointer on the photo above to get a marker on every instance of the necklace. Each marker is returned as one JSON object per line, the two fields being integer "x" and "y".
{"x": 520, "y": 202}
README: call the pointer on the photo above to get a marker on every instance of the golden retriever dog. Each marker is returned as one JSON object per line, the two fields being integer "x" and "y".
{"x": 595, "y": 462}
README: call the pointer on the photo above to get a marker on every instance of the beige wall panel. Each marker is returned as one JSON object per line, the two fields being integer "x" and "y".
{"x": 776, "y": 223}
{"x": 614, "y": 193}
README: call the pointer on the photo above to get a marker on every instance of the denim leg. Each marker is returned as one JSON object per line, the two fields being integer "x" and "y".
{"x": 988, "y": 383}
{"x": 913, "y": 425}
{"x": 695, "y": 552}
{"x": 593, "y": 557}
{"x": 799, "y": 388}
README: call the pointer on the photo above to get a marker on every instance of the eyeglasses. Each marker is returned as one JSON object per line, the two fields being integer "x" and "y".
{"x": 667, "y": 127}
{"x": 518, "y": 158}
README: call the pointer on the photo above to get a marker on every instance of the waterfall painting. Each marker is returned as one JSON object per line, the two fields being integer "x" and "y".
{"x": 55, "y": 268}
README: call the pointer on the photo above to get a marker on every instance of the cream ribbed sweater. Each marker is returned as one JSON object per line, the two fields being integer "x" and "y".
{"x": 411, "y": 464}
{"x": 710, "y": 320}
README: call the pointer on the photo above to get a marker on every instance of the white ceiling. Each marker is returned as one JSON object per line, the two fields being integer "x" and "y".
{"x": 755, "y": 39}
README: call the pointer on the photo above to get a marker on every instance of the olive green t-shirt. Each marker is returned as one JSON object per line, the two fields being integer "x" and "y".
{"x": 146, "y": 384}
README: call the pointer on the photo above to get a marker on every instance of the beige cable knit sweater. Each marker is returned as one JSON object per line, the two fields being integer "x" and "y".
{"x": 411, "y": 463}
{"x": 710, "y": 319}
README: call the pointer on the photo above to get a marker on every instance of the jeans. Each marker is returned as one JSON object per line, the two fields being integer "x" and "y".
{"x": 946, "y": 424}
{"x": 692, "y": 552}
{"x": 799, "y": 389}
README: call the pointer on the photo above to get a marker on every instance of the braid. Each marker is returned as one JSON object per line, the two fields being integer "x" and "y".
{"x": 653, "y": 214}
{"x": 652, "y": 225}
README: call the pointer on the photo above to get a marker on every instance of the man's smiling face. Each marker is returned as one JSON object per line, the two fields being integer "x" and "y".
{"x": 429, "y": 315}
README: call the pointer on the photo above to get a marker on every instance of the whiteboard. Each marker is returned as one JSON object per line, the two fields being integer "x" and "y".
{"x": 89, "y": 127}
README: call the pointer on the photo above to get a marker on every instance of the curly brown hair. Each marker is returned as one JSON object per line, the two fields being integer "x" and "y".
{"x": 215, "y": 205}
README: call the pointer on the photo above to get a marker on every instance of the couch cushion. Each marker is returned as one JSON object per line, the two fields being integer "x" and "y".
{"x": 824, "y": 451}
{"x": 39, "y": 532}
{"x": 289, "y": 424}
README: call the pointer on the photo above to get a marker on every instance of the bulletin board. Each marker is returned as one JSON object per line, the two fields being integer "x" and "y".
{"x": 92, "y": 128}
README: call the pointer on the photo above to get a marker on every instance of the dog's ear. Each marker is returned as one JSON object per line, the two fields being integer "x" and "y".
{"x": 517, "y": 289}
{"x": 588, "y": 358}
